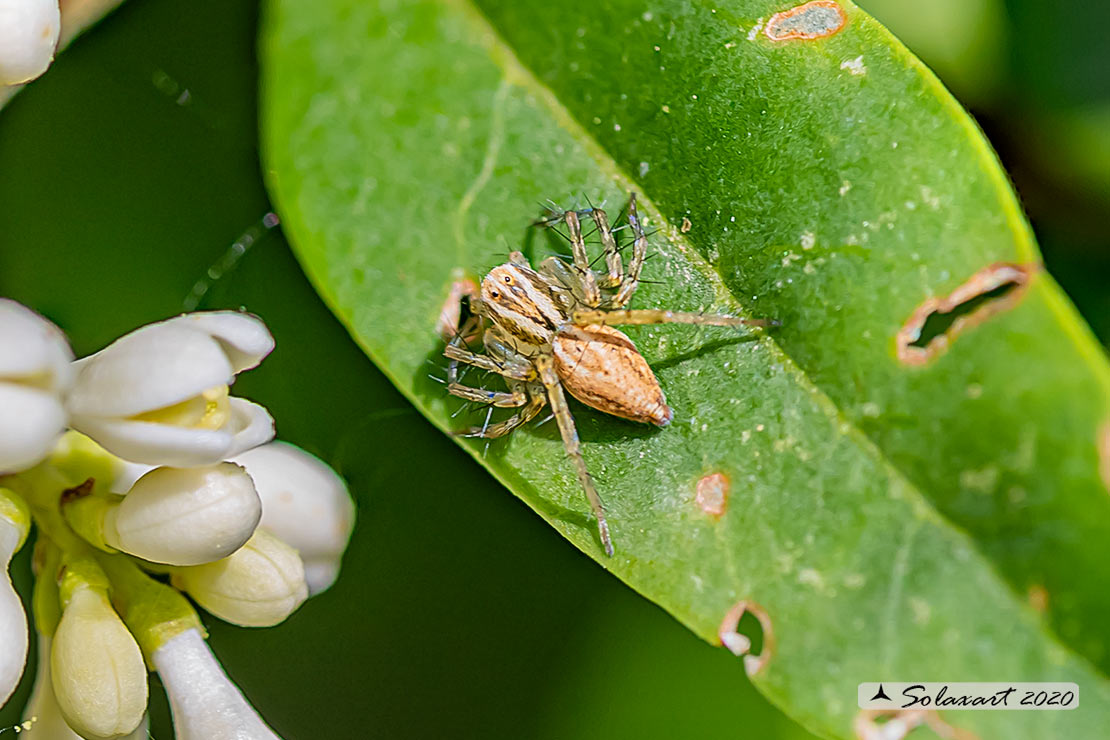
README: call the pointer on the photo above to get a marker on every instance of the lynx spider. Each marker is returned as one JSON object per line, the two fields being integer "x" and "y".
{"x": 550, "y": 329}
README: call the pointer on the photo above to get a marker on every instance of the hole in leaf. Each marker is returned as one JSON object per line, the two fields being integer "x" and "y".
{"x": 938, "y": 321}
{"x": 746, "y": 631}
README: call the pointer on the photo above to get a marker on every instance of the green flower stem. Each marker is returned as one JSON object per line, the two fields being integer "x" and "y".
{"x": 153, "y": 611}
{"x": 46, "y": 601}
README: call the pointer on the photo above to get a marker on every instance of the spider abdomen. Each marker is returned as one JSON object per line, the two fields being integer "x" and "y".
{"x": 602, "y": 368}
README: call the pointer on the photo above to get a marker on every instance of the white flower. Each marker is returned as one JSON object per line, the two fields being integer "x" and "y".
{"x": 204, "y": 701}
{"x": 99, "y": 677}
{"x": 28, "y": 36}
{"x": 43, "y": 717}
{"x": 13, "y": 621}
{"x": 159, "y": 395}
{"x": 184, "y": 516}
{"x": 35, "y": 372}
{"x": 305, "y": 504}
{"x": 258, "y": 585}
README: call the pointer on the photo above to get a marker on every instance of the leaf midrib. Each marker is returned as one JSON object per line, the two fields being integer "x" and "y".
{"x": 515, "y": 72}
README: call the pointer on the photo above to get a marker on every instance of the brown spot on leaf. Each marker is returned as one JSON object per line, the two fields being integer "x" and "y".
{"x": 713, "y": 492}
{"x": 1038, "y": 598}
{"x": 451, "y": 312}
{"x": 740, "y": 645}
{"x": 814, "y": 20}
{"x": 686, "y": 225}
{"x": 936, "y": 323}
{"x": 895, "y": 724}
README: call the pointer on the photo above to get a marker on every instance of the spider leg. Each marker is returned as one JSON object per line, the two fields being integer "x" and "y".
{"x": 614, "y": 268}
{"x": 639, "y": 252}
{"x": 457, "y": 354}
{"x": 573, "y": 447}
{"x": 586, "y": 317}
{"x": 500, "y": 399}
{"x": 586, "y": 278}
{"x": 492, "y": 431}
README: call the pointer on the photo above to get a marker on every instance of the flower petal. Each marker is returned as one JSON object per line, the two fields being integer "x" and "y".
{"x": 13, "y": 620}
{"x": 204, "y": 701}
{"x": 305, "y": 504}
{"x": 28, "y": 36}
{"x": 32, "y": 347}
{"x": 153, "y": 367}
{"x": 251, "y": 424}
{"x": 244, "y": 337}
{"x": 320, "y": 573}
{"x": 156, "y": 444}
{"x": 31, "y": 420}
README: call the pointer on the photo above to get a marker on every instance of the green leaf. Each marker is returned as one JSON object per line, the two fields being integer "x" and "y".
{"x": 894, "y": 520}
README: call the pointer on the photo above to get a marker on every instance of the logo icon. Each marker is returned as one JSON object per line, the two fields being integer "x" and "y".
{"x": 880, "y": 694}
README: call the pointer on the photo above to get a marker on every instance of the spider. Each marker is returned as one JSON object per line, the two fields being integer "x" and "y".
{"x": 549, "y": 329}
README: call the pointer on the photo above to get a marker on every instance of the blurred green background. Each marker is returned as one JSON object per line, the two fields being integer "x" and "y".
{"x": 130, "y": 169}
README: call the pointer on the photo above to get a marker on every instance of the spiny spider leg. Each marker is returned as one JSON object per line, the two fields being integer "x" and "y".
{"x": 614, "y": 267}
{"x": 500, "y": 399}
{"x": 586, "y": 317}
{"x": 501, "y": 428}
{"x": 573, "y": 447}
{"x": 639, "y": 252}
{"x": 586, "y": 276}
{"x": 484, "y": 362}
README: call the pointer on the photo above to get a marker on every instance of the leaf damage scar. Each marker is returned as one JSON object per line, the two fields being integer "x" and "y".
{"x": 739, "y": 644}
{"x": 936, "y": 323}
{"x": 712, "y": 496}
{"x": 814, "y": 20}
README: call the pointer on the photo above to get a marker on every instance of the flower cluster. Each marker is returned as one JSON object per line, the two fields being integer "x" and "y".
{"x": 164, "y": 485}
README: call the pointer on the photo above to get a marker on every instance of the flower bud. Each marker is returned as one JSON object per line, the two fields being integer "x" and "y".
{"x": 28, "y": 36}
{"x": 15, "y": 520}
{"x": 305, "y": 504}
{"x": 99, "y": 677}
{"x": 34, "y": 374}
{"x": 204, "y": 701}
{"x": 159, "y": 395}
{"x": 177, "y": 516}
{"x": 258, "y": 585}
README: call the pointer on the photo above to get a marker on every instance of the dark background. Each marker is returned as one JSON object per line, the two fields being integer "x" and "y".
{"x": 131, "y": 167}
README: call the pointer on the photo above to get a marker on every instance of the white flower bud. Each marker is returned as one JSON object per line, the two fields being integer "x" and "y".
{"x": 159, "y": 394}
{"x": 99, "y": 677}
{"x": 35, "y": 372}
{"x": 204, "y": 701}
{"x": 13, "y": 620}
{"x": 258, "y": 585}
{"x": 185, "y": 516}
{"x": 42, "y": 717}
{"x": 28, "y": 36}
{"x": 305, "y": 504}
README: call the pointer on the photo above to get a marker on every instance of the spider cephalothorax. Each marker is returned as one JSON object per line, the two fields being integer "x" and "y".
{"x": 548, "y": 329}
